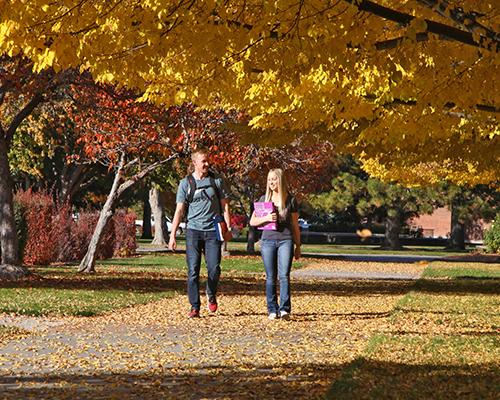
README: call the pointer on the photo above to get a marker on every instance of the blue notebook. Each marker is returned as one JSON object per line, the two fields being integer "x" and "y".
{"x": 220, "y": 227}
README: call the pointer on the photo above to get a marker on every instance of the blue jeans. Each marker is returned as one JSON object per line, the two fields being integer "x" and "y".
{"x": 277, "y": 257}
{"x": 198, "y": 242}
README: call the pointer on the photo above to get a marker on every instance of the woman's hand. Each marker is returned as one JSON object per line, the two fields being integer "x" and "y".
{"x": 297, "y": 252}
{"x": 272, "y": 217}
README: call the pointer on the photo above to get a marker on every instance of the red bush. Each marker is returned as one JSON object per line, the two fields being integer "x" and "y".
{"x": 124, "y": 234}
{"x": 238, "y": 221}
{"x": 43, "y": 220}
{"x": 53, "y": 234}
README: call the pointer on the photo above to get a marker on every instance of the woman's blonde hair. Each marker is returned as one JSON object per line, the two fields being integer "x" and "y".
{"x": 282, "y": 190}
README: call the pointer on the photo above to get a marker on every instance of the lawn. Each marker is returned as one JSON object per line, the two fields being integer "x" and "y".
{"x": 240, "y": 247}
{"x": 442, "y": 340}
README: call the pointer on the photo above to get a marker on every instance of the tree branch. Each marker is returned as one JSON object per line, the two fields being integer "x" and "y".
{"x": 467, "y": 20}
{"x": 137, "y": 177}
{"x": 21, "y": 115}
{"x": 438, "y": 28}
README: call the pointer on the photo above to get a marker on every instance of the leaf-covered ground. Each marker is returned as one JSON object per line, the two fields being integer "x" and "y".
{"x": 339, "y": 327}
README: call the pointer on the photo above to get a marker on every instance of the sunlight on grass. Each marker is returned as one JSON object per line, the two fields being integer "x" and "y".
{"x": 442, "y": 338}
{"x": 462, "y": 270}
{"x": 52, "y": 301}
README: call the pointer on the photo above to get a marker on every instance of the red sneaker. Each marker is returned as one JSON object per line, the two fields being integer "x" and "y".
{"x": 194, "y": 314}
{"x": 212, "y": 304}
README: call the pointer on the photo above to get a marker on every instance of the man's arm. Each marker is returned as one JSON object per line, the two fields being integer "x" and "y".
{"x": 227, "y": 218}
{"x": 296, "y": 234}
{"x": 179, "y": 213}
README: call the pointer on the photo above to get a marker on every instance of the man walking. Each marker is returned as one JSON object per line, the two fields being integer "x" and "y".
{"x": 201, "y": 196}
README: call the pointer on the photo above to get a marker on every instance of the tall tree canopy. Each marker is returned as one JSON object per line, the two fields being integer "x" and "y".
{"x": 409, "y": 86}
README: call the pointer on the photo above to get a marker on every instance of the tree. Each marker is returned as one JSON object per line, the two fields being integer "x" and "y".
{"x": 157, "y": 202}
{"x": 403, "y": 85}
{"x": 40, "y": 153}
{"x": 21, "y": 92}
{"x": 390, "y": 202}
{"x": 467, "y": 205}
{"x": 132, "y": 139}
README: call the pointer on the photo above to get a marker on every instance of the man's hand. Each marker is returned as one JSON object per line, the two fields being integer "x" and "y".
{"x": 228, "y": 236}
{"x": 172, "y": 243}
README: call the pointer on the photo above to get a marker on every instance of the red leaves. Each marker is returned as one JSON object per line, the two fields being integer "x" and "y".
{"x": 110, "y": 121}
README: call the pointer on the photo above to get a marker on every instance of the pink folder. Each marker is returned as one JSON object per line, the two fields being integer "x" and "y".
{"x": 263, "y": 208}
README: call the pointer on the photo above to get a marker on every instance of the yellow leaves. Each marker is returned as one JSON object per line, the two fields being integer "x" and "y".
{"x": 106, "y": 77}
{"x": 44, "y": 60}
{"x": 180, "y": 97}
{"x": 287, "y": 73}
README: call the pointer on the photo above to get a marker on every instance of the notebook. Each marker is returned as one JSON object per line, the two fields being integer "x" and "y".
{"x": 263, "y": 208}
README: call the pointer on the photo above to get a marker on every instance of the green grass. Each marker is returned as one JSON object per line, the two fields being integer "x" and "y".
{"x": 62, "y": 291}
{"x": 78, "y": 302}
{"x": 240, "y": 247}
{"x": 149, "y": 262}
{"x": 158, "y": 262}
{"x": 441, "y": 341}
{"x": 462, "y": 271}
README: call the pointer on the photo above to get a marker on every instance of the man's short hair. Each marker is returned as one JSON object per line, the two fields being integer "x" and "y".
{"x": 197, "y": 152}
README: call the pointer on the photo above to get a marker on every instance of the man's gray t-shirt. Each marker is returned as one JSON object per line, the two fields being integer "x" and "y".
{"x": 205, "y": 205}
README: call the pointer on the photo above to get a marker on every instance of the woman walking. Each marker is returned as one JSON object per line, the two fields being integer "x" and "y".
{"x": 279, "y": 246}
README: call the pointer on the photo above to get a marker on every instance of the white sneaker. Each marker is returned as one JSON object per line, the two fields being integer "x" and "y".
{"x": 272, "y": 315}
{"x": 285, "y": 315}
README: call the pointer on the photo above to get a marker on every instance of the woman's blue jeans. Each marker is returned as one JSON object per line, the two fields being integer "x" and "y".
{"x": 277, "y": 257}
{"x": 198, "y": 242}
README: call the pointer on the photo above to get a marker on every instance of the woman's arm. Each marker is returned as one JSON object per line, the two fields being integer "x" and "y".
{"x": 257, "y": 221}
{"x": 296, "y": 234}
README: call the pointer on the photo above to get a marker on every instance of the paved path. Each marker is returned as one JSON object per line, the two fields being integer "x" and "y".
{"x": 320, "y": 274}
{"x": 375, "y": 257}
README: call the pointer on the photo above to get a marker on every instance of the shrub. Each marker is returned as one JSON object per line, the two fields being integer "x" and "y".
{"x": 21, "y": 228}
{"x": 38, "y": 211}
{"x": 124, "y": 234}
{"x": 238, "y": 221}
{"x": 492, "y": 236}
{"x": 48, "y": 233}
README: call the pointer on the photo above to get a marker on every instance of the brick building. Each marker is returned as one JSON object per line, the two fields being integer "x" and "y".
{"x": 438, "y": 225}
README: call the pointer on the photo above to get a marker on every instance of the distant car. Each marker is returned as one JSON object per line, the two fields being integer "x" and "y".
{"x": 181, "y": 229}
{"x": 303, "y": 224}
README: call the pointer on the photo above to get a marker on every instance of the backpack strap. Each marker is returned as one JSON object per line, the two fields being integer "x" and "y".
{"x": 216, "y": 189}
{"x": 192, "y": 189}
{"x": 190, "y": 194}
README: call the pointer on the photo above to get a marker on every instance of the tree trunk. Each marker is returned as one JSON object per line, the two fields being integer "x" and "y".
{"x": 8, "y": 235}
{"x": 457, "y": 235}
{"x": 146, "y": 218}
{"x": 88, "y": 263}
{"x": 158, "y": 209}
{"x": 392, "y": 230}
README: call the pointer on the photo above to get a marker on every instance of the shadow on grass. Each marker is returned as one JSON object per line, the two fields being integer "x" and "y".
{"x": 291, "y": 381}
{"x": 255, "y": 285}
{"x": 459, "y": 286}
{"x": 369, "y": 379}
{"x": 248, "y": 285}
{"x": 361, "y": 379}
